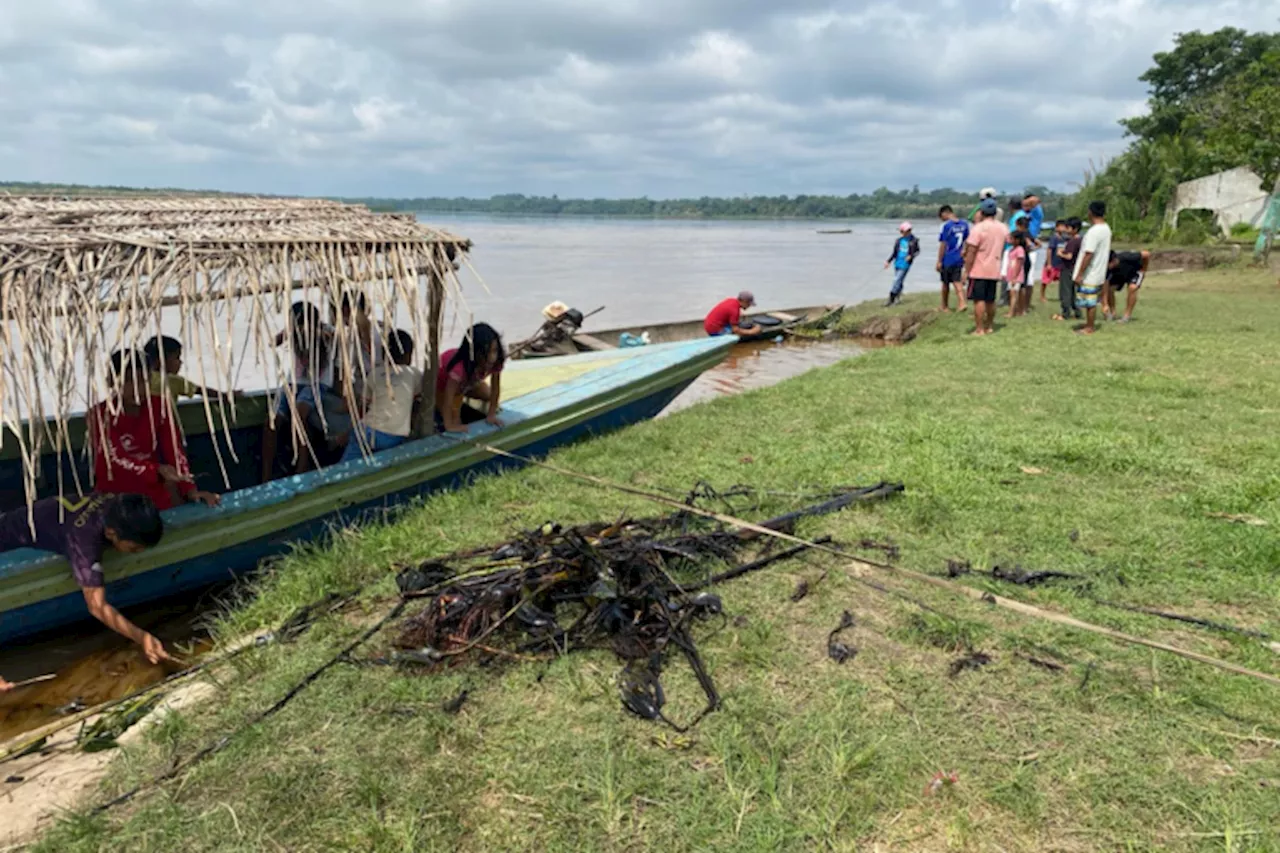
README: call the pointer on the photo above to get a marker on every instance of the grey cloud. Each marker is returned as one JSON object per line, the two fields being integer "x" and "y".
{"x": 577, "y": 97}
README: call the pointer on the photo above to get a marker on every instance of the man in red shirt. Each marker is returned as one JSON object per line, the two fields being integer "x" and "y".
{"x": 137, "y": 449}
{"x": 726, "y": 317}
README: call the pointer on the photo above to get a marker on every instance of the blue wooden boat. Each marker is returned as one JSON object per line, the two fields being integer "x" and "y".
{"x": 547, "y": 403}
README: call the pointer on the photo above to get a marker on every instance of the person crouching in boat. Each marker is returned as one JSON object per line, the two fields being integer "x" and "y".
{"x": 472, "y": 370}
{"x": 319, "y": 410}
{"x": 81, "y": 529}
{"x": 138, "y": 449}
{"x": 726, "y": 317}
{"x": 388, "y": 398}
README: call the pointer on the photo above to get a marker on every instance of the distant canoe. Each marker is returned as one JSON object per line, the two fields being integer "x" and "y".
{"x": 837, "y": 231}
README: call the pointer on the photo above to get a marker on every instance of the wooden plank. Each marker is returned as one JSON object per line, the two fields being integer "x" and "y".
{"x": 591, "y": 342}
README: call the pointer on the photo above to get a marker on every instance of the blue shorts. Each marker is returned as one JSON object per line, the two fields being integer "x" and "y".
{"x": 336, "y": 420}
{"x": 376, "y": 440}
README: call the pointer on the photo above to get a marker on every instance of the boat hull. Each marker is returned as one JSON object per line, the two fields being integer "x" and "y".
{"x": 197, "y": 554}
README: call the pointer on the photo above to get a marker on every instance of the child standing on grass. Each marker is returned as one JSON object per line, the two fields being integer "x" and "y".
{"x": 1052, "y": 273}
{"x": 903, "y": 255}
{"x": 951, "y": 255}
{"x": 1015, "y": 266}
{"x": 1067, "y": 254}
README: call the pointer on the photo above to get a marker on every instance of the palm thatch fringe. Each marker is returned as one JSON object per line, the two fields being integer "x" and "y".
{"x": 81, "y": 278}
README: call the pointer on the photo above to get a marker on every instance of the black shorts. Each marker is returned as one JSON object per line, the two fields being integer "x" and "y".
{"x": 1119, "y": 283}
{"x": 982, "y": 289}
{"x": 952, "y": 274}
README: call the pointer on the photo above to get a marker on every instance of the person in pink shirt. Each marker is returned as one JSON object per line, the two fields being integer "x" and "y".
{"x": 472, "y": 370}
{"x": 982, "y": 254}
{"x": 1019, "y": 288}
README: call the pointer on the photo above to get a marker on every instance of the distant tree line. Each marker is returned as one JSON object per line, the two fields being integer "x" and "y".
{"x": 883, "y": 203}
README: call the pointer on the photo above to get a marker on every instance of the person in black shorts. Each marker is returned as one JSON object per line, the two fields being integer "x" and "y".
{"x": 1125, "y": 269}
{"x": 950, "y": 266}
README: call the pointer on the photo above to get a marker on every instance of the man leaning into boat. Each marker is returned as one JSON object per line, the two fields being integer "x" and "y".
{"x": 81, "y": 529}
{"x": 726, "y": 317}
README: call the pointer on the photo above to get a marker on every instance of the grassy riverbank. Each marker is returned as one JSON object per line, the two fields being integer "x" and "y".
{"x": 1101, "y": 457}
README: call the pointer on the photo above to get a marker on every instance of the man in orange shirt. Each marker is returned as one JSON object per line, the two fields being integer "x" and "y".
{"x": 982, "y": 252}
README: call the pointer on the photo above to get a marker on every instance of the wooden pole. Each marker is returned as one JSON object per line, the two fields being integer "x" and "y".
{"x": 1272, "y": 215}
{"x": 425, "y": 423}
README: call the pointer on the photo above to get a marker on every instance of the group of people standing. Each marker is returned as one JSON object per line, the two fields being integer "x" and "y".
{"x": 991, "y": 258}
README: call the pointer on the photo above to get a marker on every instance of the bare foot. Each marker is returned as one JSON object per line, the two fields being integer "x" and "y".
{"x": 1084, "y": 331}
{"x": 1059, "y": 317}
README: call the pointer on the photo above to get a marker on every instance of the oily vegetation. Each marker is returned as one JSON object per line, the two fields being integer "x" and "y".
{"x": 1214, "y": 104}
{"x": 1135, "y": 468}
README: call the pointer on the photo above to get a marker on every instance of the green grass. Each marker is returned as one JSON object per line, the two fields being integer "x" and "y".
{"x": 1140, "y": 432}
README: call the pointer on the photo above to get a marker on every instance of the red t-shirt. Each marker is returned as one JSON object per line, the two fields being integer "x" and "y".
{"x": 726, "y": 314}
{"x": 127, "y": 455}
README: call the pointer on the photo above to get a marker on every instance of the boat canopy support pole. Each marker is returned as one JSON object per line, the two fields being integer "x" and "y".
{"x": 435, "y": 313}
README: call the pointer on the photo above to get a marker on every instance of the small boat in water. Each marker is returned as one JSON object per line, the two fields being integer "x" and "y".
{"x": 558, "y": 337}
{"x": 836, "y": 231}
{"x": 545, "y": 403}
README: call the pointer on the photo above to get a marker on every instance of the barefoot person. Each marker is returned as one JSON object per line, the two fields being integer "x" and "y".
{"x": 81, "y": 530}
{"x": 951, "y": 255}
{"x": 1126, "y": 270}
{"x": 726, "y": 317}
{"x": 1091, "y": 266}
{"x": 982, "y": 253}
{"x": 1067, "y": 254}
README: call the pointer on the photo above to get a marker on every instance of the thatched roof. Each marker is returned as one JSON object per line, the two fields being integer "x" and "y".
{"x": 83, "y": 277}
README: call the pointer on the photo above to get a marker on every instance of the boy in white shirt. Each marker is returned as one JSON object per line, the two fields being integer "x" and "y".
{"x": 389, "y": 396}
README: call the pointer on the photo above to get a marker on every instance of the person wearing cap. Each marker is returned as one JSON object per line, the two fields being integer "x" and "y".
{"x": 984, "y": 194}
{"x": 982, "y": 254}
{"x": 726, "y": 317}
{"x": 902, "y": 256}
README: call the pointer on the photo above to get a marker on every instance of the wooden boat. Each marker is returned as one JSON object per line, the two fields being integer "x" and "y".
{"x": 772, "y": 324}
{"x": 546, "y": 404}
{"x": 836, "y": 231}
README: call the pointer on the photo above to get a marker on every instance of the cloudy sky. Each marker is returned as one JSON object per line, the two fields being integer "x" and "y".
{"x": 578, "y": 97}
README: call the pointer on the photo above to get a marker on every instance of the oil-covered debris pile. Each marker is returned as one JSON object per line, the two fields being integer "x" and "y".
{"x": 637, "y": 587}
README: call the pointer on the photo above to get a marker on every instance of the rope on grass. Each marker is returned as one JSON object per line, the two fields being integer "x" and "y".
{"x": 1014, "y": 605}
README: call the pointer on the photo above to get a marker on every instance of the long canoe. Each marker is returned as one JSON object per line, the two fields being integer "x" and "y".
{"x": 773, "y": 323}
{"x": 546, "y": 404}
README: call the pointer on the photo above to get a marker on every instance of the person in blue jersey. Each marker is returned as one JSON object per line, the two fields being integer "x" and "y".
{"x": 902, "y": 256}
{"x": 951, "y": 239}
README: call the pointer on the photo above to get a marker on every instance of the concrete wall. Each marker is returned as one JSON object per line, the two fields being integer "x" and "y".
{"x": 1235, "y": 195}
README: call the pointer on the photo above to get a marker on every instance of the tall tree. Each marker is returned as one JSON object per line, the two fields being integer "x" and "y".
{"x": 1198, "y": 66}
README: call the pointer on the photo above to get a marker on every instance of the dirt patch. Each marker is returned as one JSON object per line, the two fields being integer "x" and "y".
{"x": 60, "y": 775}
{"x": 896, "y": 328}
{"x": 1193, "y": 258}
